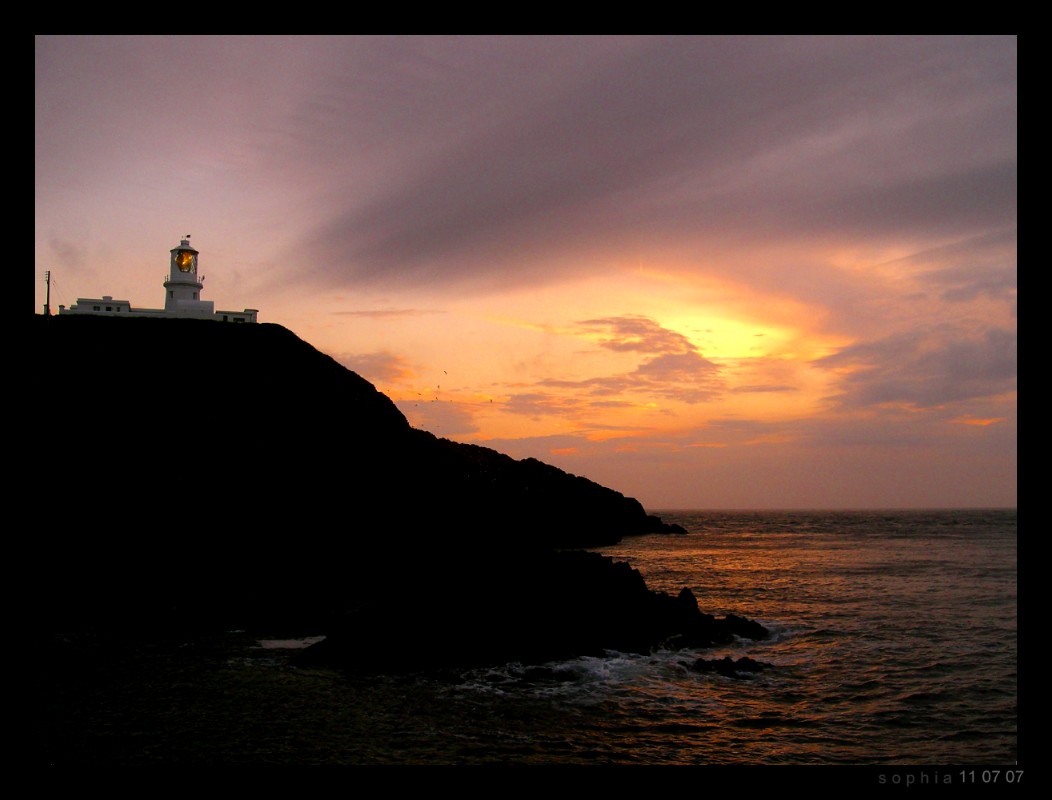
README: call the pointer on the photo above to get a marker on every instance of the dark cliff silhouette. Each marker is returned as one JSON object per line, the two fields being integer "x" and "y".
{"x": 202, "y": 475}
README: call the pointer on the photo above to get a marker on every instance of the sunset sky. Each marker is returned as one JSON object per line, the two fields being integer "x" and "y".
{"x": 708, "y": 272}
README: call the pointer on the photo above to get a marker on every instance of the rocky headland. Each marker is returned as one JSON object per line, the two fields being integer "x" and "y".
{"x": 202, "y": 476}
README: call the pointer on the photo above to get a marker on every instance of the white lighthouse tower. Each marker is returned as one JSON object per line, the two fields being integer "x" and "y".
{"x": 183, "y": 288}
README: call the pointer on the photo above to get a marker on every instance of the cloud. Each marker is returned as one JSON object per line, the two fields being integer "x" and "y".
{"x": 968, "y": 281}
{"x": 674, "y": 369}
{"x": 380, "y": 367}
{"x": 649, "y": 138}
{"x": 636, "y": 333}
{"x": 927, "y": 368}
{"x": 482, "y": 163}
{"x": 539, "y": 404}
{"x": 387, "y": 313}
{"x": 671, "y": 369}
{"x": 70, "y": 254}
{"x": 764, "y": 388}
{"x": 440, "y": 417}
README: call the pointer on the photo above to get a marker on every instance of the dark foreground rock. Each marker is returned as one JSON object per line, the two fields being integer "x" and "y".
{"x": 657, "y": 525}
{"x": 728, "y": 668}
{"x": 555, "y": 606}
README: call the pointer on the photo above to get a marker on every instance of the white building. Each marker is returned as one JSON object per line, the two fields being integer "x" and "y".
{"x": 182, "y": 295}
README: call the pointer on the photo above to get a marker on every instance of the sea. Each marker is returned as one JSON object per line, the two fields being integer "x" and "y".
{"x": 894, "y": 643}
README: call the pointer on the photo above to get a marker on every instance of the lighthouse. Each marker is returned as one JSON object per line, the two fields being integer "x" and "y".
{"x": 182, "y": 294}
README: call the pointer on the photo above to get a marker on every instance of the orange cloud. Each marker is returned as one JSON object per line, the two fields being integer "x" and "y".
{"x": 980, "y": 421}
{"x": 565, "y": 451}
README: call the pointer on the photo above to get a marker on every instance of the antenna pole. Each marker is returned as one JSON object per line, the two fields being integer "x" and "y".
{"x": 47, "y": 302}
